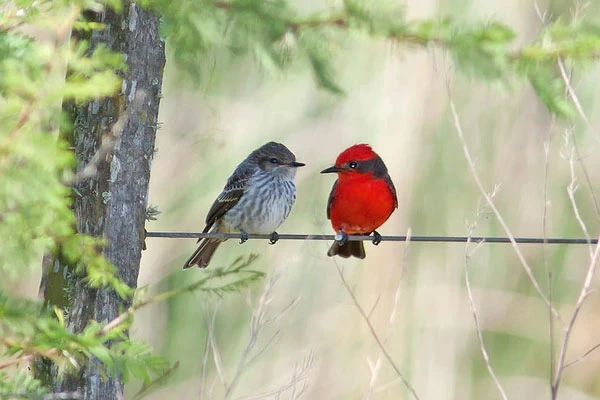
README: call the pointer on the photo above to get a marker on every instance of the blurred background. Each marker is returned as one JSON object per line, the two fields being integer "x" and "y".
{"x": 313, "y": 342}
{"x": 308, "y": 339}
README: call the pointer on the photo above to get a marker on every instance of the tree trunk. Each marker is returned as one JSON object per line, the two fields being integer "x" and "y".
{"x": 112, "y": 203}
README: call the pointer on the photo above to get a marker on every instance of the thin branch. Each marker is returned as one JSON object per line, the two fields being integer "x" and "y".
{"x": 28, "y": 357}
{"x": 583, "y": 356}
{"x": 29, "y": 353}
{"x": 373, "y": 333}
{"x": 588, "y": 181}
{"x": 236, "y": 269}
{"x": 571, "y": 92}
{"x": 594, "y": 254}
{"x": 126, "y": 315}
{"x": 343, "y": 20}
{"x": 582, "y": 296}
{"x": 572, "y": 188}
{"x": 156, "y": 383}
{"x": 375, "y": 369}
{"x": 482, "y": 348}
{"x": 544, "y": 18}
{"x": 260, "y": 318}
{"x": 215, "y": 348}
{"x": 264, "y": 348}
{"x": 205, "y": 356}
{"x": 545, "y": 250}
{"x": 374, "y": 306}
{"x": 492, "y": 205}
{"x": 300, "y": 375}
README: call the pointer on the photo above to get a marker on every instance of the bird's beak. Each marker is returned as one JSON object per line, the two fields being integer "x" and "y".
{"x": 331, "y": 169}
{"x": 296, "y": 164}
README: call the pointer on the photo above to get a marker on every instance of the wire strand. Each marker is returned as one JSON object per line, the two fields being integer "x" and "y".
{"x": 432, "y": 239}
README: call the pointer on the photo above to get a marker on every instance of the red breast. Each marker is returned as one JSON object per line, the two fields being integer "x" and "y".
{"x": 361, "y": 203}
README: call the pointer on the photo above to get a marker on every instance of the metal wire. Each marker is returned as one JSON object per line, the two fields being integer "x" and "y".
{"x": 435, "y": 239}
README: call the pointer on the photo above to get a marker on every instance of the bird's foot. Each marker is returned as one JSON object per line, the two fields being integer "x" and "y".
{"x": 243, "y": 237}
{"x": 341, "y": 237}
{"x": 273, "y": 238}
{"x": 376, "y": 238}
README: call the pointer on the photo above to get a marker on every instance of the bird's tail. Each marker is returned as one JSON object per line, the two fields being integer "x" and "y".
{"x": 350, "y": 248}
{"x": 203, "y": 253}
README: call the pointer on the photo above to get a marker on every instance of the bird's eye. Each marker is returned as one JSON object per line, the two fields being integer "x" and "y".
{"x": 353, "y": 164}
{"x": 274, "y": 161}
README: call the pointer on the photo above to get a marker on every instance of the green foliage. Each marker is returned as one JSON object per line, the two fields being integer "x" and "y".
{"x": 269, "y": 30}
{"x": 482, "y": 51}
{"x": 48, "y": 335}
{"x": 94, "y": 76}
{"x": 35, "y": 203}
{"x": 319, "y": 58}
{"x": 220, "y": 281}
{"x": 550, "y": 90}
{"x": 578, "y": 41}
{"x": 83, "y": 251}
{"x": 19, "y": 314}
{"x": 377, "y": 18}
{"x": 36, "y": 166}
{"x": 276, "y": 33}
{"x": 26, "y": 332}
{"x": 20, "y": 386}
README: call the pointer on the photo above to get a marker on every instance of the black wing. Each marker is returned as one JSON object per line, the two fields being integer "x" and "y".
{"x": 330, "y": 201}
{"x": 388, "y": 180}
{"x": 377, "y": 166}
{"x": 229, "y": 197}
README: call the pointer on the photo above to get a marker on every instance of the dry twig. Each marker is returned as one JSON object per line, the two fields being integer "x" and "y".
{"x": 373, "y": 333}
{"x": 214, "y": 348}
{"x": 571, "y": 94}
{"x": 482, "y": 348}
{"x": 585, "y": 289}
{"x": 300, "y": 375}
{"x": 260, "y": 318}
{"x": 375, "y": 368}
{"x": 572, "y": 188}
{"x": 583, "y": 356}
{"x": 492, "y": 205}
{"x": 547, "y": 257}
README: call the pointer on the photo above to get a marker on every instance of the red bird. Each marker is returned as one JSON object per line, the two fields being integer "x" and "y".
{"x": 361, "y": 200}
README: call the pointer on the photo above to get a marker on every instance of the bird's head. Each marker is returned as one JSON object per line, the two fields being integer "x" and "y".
{"x": 357, "y": 160}
{"x": 277, "y": 160}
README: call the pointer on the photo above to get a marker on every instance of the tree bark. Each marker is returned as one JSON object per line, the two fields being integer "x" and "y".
{"x": 112, "y": 203}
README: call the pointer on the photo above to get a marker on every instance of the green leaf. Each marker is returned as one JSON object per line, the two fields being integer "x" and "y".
{"x": 320, "y": 59}
{"x": 20, "y": 385}
{"x": 551, "y": 92}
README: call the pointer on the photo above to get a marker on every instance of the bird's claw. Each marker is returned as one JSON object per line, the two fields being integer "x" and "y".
{"x": 376, "y": 238}
{"x": 243, "y": 237}
{"x": 341, "y": 237}
{"x": 273, "y": 238}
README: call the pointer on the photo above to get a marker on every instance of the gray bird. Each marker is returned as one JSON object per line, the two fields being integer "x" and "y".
{"x": 257, "y": 198}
